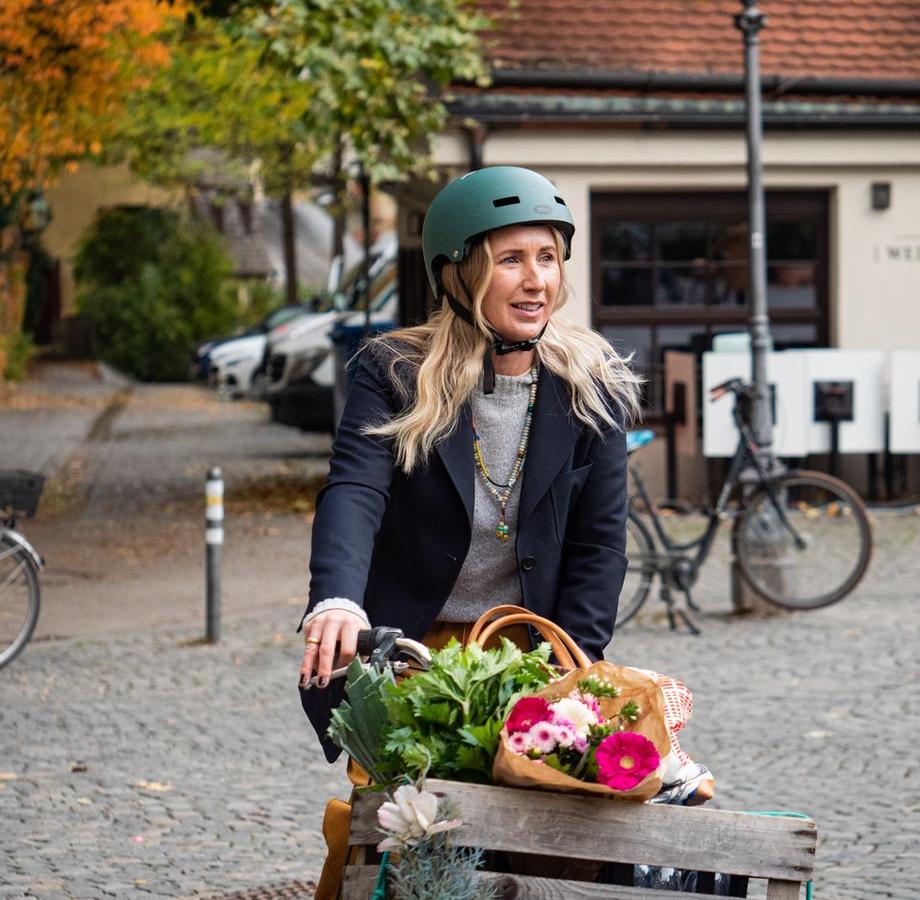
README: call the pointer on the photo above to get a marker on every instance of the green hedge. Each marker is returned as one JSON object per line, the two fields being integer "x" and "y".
{"x": 152, "y": 284}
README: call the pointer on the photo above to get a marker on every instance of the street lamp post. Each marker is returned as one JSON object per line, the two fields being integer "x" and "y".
{"x": 771, "y": 546}
{"x": 749, "y": 22}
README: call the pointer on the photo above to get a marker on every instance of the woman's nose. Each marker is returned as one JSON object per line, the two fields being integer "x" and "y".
{"x": 533, "y": 278}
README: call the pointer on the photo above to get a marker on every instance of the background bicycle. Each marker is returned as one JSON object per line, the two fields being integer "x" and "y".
{"x": 800, "y": 539}
{"x": 20, "y": 563}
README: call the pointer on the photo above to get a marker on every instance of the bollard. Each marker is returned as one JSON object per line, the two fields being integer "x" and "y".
{"x": 214, "y": 540}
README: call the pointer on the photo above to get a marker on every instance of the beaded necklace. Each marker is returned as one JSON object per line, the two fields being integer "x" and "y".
{"x": 502, "y": 492}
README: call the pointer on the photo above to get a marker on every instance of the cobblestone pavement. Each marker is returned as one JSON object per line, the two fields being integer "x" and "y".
{"x": 142, "y": 765}
{"x": 136, "y": 762}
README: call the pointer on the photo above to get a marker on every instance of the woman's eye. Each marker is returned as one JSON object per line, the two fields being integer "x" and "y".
{"x": 507, "y": 259}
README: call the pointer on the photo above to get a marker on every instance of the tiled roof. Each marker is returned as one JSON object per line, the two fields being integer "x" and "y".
{"x": 831, "y": 39}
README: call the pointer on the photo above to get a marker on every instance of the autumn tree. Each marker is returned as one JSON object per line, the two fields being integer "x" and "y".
{"x": 65, "y": 68}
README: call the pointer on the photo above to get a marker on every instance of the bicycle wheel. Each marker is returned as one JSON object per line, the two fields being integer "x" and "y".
{"x": 817, "y": 555}
{"x": 640, "y": 551}
{"x": 19, "y": 599}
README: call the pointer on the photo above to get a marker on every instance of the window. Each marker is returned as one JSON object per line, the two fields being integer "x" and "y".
{"x": 670, "y": 271}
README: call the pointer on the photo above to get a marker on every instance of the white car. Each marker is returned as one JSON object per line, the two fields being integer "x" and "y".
{"x": 233, "y": 363}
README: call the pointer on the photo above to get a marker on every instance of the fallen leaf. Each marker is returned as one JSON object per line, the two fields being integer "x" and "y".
{"x": 8, "y": 776}
{"x": 152, "y": 786}
{"x": 78, "y": 766}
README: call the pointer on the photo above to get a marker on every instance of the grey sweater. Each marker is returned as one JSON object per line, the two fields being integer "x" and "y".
{"x": 489, "y": 574}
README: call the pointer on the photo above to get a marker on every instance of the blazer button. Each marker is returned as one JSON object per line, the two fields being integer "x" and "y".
{"x": 528, "y": 563}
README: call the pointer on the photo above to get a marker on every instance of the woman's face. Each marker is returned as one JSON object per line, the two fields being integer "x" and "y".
{"x": 526, "y": 274}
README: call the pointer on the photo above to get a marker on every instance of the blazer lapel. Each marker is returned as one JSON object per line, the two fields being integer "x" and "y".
{"x": 456, "y": 452}
{"x": 553, "y": 434}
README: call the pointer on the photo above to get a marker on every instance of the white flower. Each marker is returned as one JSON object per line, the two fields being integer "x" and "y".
{"x": 581, "y": 717}
{"x": 410, "y": 818}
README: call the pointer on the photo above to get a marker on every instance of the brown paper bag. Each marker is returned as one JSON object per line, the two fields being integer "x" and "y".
{"x": 512, "y": 769}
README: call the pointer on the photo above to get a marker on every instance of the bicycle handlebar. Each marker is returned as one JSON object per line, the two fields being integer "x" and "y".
{"x": 380, "y": 644}
{"x": 732, "y": 386}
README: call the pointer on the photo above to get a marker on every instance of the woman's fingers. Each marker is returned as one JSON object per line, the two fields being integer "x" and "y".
{"x": 326, "y": 658}
{"x": 348, "y": 640}
{"x": 331, "y": 640}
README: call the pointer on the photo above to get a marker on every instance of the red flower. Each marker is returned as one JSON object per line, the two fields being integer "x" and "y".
{"x": 526, "y": 713}
{"x": 624, "y": 759}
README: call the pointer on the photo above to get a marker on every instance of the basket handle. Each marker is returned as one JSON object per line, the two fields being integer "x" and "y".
{"x": 567, "y": 652}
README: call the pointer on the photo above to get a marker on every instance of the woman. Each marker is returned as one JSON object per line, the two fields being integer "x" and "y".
{"x": 481, "y": 456}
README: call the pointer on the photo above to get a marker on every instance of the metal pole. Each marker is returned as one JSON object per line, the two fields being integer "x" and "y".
{"x": 770, "y": 543}
{"x": 750, "y": 21}
{"x": 214, "y": 540}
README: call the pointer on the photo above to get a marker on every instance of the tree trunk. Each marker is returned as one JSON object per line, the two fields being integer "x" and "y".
{"x": 339, "y": 203}
{"x": 288, "y": 240}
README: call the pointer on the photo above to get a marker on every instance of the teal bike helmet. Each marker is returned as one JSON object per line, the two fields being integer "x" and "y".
{"x": 471, "y": 206}
{"x": 482, "y": 201}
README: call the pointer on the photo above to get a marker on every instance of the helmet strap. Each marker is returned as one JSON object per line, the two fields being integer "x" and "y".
{"x": 499, "y": 345}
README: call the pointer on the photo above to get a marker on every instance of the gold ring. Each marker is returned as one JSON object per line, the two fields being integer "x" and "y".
{"x": 313, "y": 640}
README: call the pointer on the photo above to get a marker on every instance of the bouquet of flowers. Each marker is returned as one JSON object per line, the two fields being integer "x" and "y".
{"x": 597, "y": 731}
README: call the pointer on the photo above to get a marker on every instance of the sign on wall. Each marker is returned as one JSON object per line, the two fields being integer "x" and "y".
{"x": 794, "y": 374}
{"x": 904, "y": 405}
{"x": 786, "y": 372}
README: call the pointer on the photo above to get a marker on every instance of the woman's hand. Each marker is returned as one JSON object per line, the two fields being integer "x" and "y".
{"x": 337, "y": 626}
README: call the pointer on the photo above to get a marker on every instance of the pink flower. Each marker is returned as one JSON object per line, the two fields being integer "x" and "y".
{"x": 519, "y": 742}
{"x": 543, "y": 737}
{"x": 565, "y": 732}
{"x": 590, "y": 701}
{"x": 580, "y": 744}
{"x": 624, "y": 759}
{"x": 527, "y": 712}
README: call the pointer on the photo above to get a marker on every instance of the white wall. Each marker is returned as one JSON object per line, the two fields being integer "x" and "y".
{"x": 874, "y": 255}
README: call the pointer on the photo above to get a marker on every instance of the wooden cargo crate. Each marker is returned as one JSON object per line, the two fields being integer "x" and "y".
{"x": 779, "y": 850}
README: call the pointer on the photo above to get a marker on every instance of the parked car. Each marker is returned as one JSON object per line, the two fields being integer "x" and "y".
{"x": 300, "y": 364}
{"x": 200, "y": 367}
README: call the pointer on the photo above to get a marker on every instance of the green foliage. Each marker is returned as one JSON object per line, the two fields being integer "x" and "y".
{"x": 436, "y": 870}
{"x": 17, "y": 349}
{"x": 295, "y": 84}
{"x": 152, "y": 285}
{"x": 443, "y": 723}
{"x": 360, "y": 722}
{"x": 376, "y": 69}
{"x": 447, "y": 720}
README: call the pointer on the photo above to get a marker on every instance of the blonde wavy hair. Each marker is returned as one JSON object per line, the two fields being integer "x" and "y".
{"x": 445, "y": 359}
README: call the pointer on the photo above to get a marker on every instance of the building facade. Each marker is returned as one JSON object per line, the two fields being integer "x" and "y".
{"x": 635, "y": 111}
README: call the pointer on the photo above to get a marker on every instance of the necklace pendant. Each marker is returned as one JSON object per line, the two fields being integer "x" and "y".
{"x": 502, "y": 531}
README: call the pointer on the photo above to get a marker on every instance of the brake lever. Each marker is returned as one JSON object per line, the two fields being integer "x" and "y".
{"x": 396, "y": 666}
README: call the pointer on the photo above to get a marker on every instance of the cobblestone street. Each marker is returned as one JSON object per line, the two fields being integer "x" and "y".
{"x": 135, "y": 761}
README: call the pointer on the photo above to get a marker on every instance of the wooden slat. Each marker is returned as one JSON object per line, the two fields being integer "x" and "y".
{"x": 783, "y": 890}
{"x": 499, "y": 818}
{"x": 359, "y": 883}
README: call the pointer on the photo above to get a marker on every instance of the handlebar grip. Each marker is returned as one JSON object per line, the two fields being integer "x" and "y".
{"x": 370, "y": 639}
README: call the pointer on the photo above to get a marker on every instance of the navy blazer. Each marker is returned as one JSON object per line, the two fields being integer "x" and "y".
{"x": 395, "y": 542}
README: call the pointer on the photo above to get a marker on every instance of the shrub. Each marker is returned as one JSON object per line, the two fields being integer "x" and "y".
{"x": 15, "y": 352}
{"x": 153, "y": 284}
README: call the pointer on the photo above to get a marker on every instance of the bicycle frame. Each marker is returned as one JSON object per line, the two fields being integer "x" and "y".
{"x": 745, "y": 456}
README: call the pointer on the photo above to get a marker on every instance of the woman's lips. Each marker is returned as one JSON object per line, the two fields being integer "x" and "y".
{"x": 530, "y": 310}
